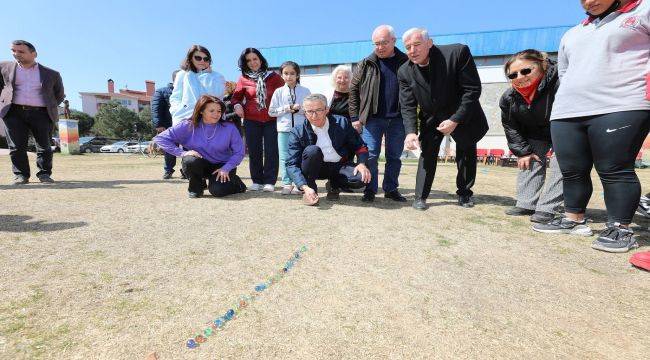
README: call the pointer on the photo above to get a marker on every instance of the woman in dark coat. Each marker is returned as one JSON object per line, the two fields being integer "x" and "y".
{"x": 525, "y": 114}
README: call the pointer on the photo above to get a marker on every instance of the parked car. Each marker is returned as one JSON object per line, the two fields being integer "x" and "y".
{"x": 90, "y": 144}
{"x": 117, "y": 147}
{"x": 141, "y": 147}
{"x": 54, "y": 144}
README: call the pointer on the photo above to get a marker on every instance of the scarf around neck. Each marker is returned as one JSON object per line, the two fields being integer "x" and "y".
{"x": 260, "y": 88}
{"x": 528, "y": 92}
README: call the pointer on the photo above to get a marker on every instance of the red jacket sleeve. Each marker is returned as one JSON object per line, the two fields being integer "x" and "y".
{"x": 238, "y": 93}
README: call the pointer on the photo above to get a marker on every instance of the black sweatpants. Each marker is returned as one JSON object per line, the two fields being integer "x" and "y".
{"x": 198, "y": 169}
{"x": 610, "y": 143}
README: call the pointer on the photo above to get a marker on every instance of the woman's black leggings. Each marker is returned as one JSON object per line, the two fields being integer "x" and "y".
{"x": 610, "y": 143}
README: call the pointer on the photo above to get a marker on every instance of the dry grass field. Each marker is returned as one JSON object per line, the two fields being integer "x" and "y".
{"x": 111, "y": 262}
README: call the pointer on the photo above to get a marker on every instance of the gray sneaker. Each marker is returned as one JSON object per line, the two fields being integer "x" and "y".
{"x": 45, "y": 179}
{"x": 562, "y": 225}
{"x": 615, "y": 239}
{"x": 20, "y": 180}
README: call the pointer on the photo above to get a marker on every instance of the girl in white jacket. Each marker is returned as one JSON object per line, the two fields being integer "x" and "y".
{"x": 286, "y": 106}
{"x": 196, "y": 78}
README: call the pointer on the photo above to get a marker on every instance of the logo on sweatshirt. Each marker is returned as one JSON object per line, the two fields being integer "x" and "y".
{"x": 631, "y": 23}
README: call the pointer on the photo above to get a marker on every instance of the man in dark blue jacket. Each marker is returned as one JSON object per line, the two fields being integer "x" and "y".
{"x": 318, "y": 150}
{"x": 162, "y": 119}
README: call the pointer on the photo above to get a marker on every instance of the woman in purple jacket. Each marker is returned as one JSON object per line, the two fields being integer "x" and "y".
{"x": 213, "y": 146}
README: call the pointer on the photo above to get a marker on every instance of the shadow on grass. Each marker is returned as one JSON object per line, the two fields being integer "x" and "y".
{"x": 21, "y": 223}
{"x": 109, "y": 184}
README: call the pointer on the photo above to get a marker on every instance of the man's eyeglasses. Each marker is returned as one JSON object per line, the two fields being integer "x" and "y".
{"x": 382, "y": 43}
{"x": 199, "y": 58}
{"x": 314, "y": 112}
{"x": 523, "y": 72}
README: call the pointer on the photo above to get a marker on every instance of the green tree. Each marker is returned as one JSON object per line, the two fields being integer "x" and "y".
{"x": 86, "y": 121}
{"x": 115, "y": 121}
{"x": 145, "y": 127}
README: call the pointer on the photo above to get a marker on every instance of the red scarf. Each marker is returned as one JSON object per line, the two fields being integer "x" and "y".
{"x": 528, "y": 92}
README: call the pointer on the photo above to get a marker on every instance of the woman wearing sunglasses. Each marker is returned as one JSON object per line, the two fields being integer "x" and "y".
{"x": 601, "y": 116}
{"x": 525, "y": 113}
{"x": 196, "y": 78}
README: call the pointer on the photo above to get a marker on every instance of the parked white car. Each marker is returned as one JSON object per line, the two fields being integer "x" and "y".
{"x": 117, "y": 147}
{"x": 141, "y": 147}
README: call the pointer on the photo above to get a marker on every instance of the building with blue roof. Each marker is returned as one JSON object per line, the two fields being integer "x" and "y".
{"x": 491, "y": 49}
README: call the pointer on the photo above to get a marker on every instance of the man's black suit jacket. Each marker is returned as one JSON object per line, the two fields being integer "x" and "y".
{"x": 451, "y": 93}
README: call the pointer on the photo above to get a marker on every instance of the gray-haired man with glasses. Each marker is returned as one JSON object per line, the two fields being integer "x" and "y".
{"x": 319, "y": 148}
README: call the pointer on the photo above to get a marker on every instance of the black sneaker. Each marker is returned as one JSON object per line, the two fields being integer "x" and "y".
{"x": 333, "y": 195}
{"x": 167, "y": 175}
{"x": 395, "y": 196}
{"x": 542, "y": 217}
{"x": 562, "y": 225}
{"x": 20, "y": 180}
{"x": 368, "y": 197}
{"x": 465, "y": 201}
{"x": 517, "y": 211}
{"x": 615, "y": 239}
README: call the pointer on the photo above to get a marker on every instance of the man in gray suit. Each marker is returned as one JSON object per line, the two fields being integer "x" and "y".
{"x": 29, "y": 97}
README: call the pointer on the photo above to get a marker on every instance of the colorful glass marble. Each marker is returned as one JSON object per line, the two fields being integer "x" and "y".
{"x": 244, "y": 301}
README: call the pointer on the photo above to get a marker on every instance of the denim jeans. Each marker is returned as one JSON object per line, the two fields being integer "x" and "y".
{"x": 283, "y": 151}
{"x": 373, "y": 131}
{"x": 170, "y": 162}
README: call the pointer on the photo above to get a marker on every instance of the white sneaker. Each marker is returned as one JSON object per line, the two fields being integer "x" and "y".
{"x": 287, "y": 189}
{"x": 269, "y": 188}
{"x": 296, "y": 191}
{"x": 255, "y": 187}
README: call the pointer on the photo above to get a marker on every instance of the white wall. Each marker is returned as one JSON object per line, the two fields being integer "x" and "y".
{"x": 89, "y": 104}
{"x": 492, "y": 74}
{"x": 318, "y": 84}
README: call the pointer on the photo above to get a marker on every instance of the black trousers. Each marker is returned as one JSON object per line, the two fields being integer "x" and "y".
{"x": 610, "y": 143}
{"x": 465, "y": 163}
{"x": 262, "y": 142}
{"x": 340, "y": 175}
{"x": 19, "y": 122}
{"x": 198, "y": 169}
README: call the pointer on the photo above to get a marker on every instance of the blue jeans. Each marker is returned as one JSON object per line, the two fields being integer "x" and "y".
{"x": 170, "y": 162}
{"x": 262, "y": 141}
{"x": 283, "y": 150}
{"x": 372, "y": 134}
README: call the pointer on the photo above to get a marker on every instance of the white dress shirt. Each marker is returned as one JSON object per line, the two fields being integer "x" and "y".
{"x": 324, "y": 142}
